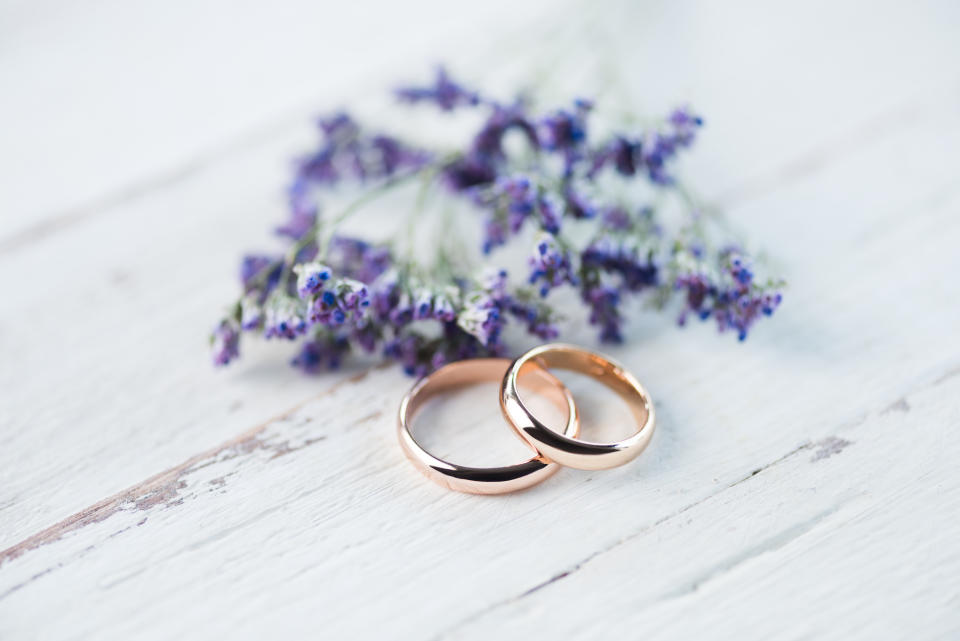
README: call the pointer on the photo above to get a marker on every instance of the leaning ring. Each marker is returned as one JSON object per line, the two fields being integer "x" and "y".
{"x": 481, "y": 480}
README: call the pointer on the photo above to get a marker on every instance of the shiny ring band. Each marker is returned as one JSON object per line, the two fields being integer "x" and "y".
{"x": 561, "y": 448}
{"x": 481, "y": 480}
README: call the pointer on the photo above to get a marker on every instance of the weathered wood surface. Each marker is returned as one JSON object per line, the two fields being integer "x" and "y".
{"x": 801, "y": 485}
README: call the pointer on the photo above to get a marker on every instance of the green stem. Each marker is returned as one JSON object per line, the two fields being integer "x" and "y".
{"x": 426, "y": 181}
{"x": 260, "y": 278}
{"x": 323, "y": 244}
{"x": 453, "y": 256}
{"x": 708, "y": 214}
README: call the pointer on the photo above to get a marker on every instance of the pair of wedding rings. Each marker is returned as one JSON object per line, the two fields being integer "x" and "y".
{"x": 552, "y": 448}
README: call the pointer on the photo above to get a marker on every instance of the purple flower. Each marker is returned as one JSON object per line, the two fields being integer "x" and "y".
{"x": 422, "y": 304}
{"x": 480, "y": 317}
{"x": 358, "y": 259}
{"x": 318, "y": 167}
{"x": 651, "y": 152}
{"x": 685, "y": 124}
{"x": 388, "y": 156}
{"x": 565, "y": 129}
{"x": 225, "y": 342}
{"x": 469, "y": 171}
{"x": 346, "y": 300}
{"x": 518, "y": 196}
{"x": 616, "y": 218}
{"x": 251, "y": 314}
{"x": 549, "y": 214}
{"x": 622, "y": 152}
{"x": 625, "y": 155}
{"x": 353, "y": 294}
{"x": 432, "y": 304}
{"x": 411, "y": 352}
{"x": 444, "y": 93}
{"x": 303, "y": 210}
{"x": 489, "y": 141}
{"x": 618, "y": 255}
{"x": 660, "y": 147}
{"x": 510, "y": 201}
{"x": 444, "y": 304}
{"x": 494, "y": 233}
{"x": 494, "y": 281}
{"x": 385, "y": 294}
{"x": 697, "y": 287}
{"x": 402, "y": 310}
{"x": 322, "y": 353}
{"x": 578, "y": 206}
{"x": 655, "y": 151}
{"x": 742, "y": 302}
{"x": 537, "y": 318}
{"x": 284, "y": 318}
{"x": 482, "y": 313}
{"x": 419, "y": 355}
{"x": 338, "y": 126}
{"x": 367, "y": 335}
{"x": 482, "y": 163}
{"x": 730, "y": 295}
{"x": 311, "y": 278}
{"x": 348, "y": 151}
{"x": 604, "y": 302}
{"x": 260, "y": 272}
{"x": 550, "y": 263}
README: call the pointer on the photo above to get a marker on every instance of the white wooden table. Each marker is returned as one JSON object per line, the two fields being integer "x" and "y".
{"x": 801, "y": 485}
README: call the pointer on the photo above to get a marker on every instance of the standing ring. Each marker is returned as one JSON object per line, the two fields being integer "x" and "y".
{"x": 563, "y": 448}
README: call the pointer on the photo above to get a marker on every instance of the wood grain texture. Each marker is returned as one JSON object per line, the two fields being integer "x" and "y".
{"x": 802, "y": 485}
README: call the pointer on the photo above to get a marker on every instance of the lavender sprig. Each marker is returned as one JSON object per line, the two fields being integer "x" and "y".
{"x": 336, "y": 293}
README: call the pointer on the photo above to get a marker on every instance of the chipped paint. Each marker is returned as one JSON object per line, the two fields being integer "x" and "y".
{"x": 900, "y": 405}
{"x": 828, "y": 447}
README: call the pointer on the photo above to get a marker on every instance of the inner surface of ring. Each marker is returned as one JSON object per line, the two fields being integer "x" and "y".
{"x": 597, "y": 368}
{"x": 459, "y": 376}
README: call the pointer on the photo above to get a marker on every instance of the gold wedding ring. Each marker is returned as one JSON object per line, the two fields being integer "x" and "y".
{"x": 481, "y": 480}
{"x": 551, "y": 447}
{"x": 564, "y": 449}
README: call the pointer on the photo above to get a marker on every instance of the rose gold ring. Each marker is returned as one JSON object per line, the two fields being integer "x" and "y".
{"x": 481, "y": 480}
{"x": 562, "y": 448}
